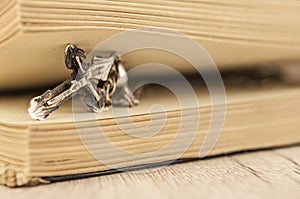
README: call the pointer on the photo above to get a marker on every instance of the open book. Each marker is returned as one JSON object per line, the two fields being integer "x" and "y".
{"x": 33, "y": 33}
{"x": 260, "y": 113}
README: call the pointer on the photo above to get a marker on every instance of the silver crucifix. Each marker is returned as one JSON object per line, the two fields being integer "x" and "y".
{"x": 97, "y": 82}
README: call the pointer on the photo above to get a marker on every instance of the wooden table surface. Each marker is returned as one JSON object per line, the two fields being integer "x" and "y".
{"x": 264, "y": 174}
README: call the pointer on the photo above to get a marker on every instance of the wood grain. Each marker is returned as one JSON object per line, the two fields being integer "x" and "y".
{"x": 264, "y": 174}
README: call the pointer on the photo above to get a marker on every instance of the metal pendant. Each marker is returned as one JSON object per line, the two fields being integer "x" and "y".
{"x": 96, "y": 82}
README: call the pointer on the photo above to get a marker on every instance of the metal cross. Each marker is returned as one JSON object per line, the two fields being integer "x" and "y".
{"x": 96, "y": 82}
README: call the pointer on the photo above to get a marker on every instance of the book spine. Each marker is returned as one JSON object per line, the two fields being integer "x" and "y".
{"x": 10, "y": 177}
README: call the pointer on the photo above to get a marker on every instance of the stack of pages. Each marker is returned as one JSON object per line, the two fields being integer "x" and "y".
{"x": 70, "y": 145}
{"x": 73, "y": 144}
{"x": 237, "y": 32}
